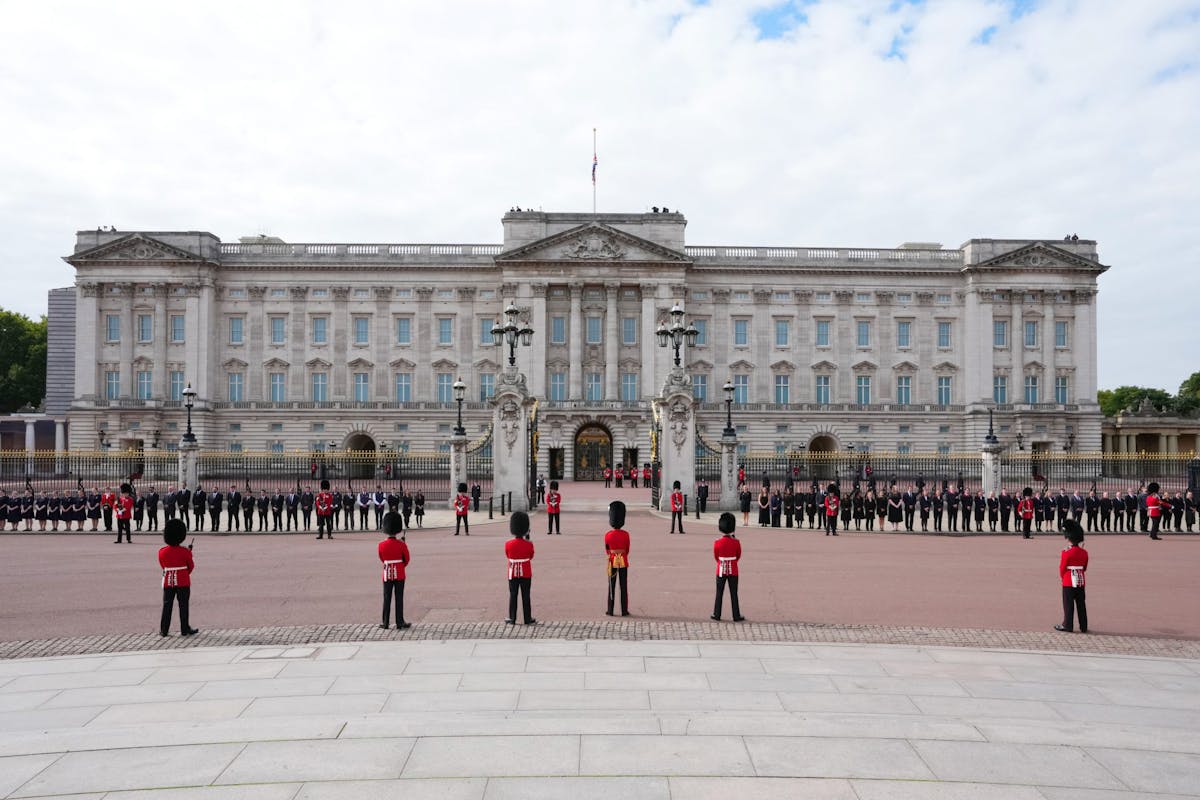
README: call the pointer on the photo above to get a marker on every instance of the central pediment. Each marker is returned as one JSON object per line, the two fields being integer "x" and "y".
{"x": 1039, "y": 257}
{"x": 593, "y": 242}
{"x": 135, "y": 248}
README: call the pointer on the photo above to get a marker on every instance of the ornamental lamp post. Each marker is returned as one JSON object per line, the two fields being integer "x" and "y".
{"x": 460, "y": 392}
{"x": 510, "y": 333}
{"x": 677, "y": 332}
{"x": 189, "y": 396}
{"x": 728, "y": 389}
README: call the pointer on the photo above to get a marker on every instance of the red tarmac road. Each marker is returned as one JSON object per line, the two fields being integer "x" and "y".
{"x": 56, "y": 585}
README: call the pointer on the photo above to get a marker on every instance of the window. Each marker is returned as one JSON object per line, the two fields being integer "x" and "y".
{"x": 943, "y": 449}
{"x": 904, "y": 390}
{"x": 558, "y": 386}
{"x": 783, "y": 297}
{"x": 112, "y": 328}
{"x": 1000, "y": 333}
{"x": 904, "y": 297}
{"x": 558, "y": 330}
{"x": 362, "y": 387}
{"x": 485, "y": 331}
{"x": 862, "y": 390}
{"x": 741, "y": 332}
{"x": 863, "y": 336}
{"x": 864, "y": 429}
{"x": 943, "y": 334}
{"x": 595, "y": 390}
{"x": 741, "y": 295}
{"x": 403, "y": 387}
{"x": 782, "y": 390}
{"x": 276, "y": 447}
{"x": 144, "y": 384}
{"x": 943, "y": 428}
{"x": 903, "y": 449}
{"x": 237, "y": 386}
{"x": 1061, "y": 387}
{"x": 237, "y": 330}
{"x": 487, "y": 386}
{"x": 1031, "y": 333}
{"x": 593, "y": 330}
{"x": 145, "y": 328}
{"x": 320, "y": 330}
{"x": 276, "y": 427}
{"x": 445, "y": 387}
{"x": 362, "y": 293}
{"x": 175, "y": 385}
{"x": 629, "y": 387}
{"x": 822, "y": 390}
{"x": 1000, "y": 389}
{"x": 702, "y": 332}
{"x": 278, "y": 330}
{"x": 741, "y": 389}
{"x": 237, "y": 292}
{"x": 445, "y": 330}
{"x": 279, "y": 293}
{"x": 404, "y": 330}
{"x": 445, "y": 294}
{"x": 235, "y": 447}
{"x": 943, "y": 299}
{"x": 783, "y": 331}
{"x": 822, "y": 333}
{"x": 824, "y": 297}
{"x": 862, "y": 297}
{"x": 944, "y": 383}
{"x": 700, "y": 388}
{"x": 112, "y": 385}
{"x": 904, "y": 334}
{"x": 320, "y": 387}
{"x": 906, "y": 429}
{"x": 276, "y": 383}
{"x": 176, "y": 322}
{"x": 1060, "y": 333}
{"x": 362, "y": 330}
{"x": 317, "y": 427}
{"x": 1031, "y": 389}
{"x": 629, "y": 326}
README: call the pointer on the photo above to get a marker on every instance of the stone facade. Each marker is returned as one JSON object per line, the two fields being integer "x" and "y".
{"x": 294, "y": 346}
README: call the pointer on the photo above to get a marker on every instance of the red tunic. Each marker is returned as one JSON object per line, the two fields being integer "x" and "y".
{"x": 677, "y": 501}
{"x": 645, "y": 473}
{"x": 124, "y": 506}
{"x": 730, "y": 549}
{"x": 616, "y": 544}
{"x": 461, "y": 504}
{"x": 520, "y": 558}
{"x": 1153, "y": 505}
{"x": 632, "y": 473}
{"x": 1073, "y": 556}
{"x": 394, "y": 555}
{"x": 553, "y": 503}
{"x": 108, "y": 499}
{"x": 831, "y": 505}
{"x": 177, "y": 565}
{"x": 607, "y": 473}
{"x": 1025, "y": 508}
{"x": 324, "y": 504}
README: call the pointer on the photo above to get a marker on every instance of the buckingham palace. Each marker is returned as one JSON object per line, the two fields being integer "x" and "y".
{"x": 358, "y": 346}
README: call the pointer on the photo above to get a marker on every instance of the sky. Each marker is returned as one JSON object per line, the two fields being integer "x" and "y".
{"x": 838, "y": 123}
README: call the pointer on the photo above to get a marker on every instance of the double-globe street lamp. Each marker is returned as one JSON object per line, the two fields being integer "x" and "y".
{"x": 510, "y": 332}
{"x": 729, "y": 429}
{"x": 677, "y": 332}
{"x": 460, "y": 392}
{"x": 189, "y": 400}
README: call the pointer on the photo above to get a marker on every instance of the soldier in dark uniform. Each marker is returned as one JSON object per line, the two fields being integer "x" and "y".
{"x": 306, "y": 507}
{"x": 616, "y": 549}
{"x": 293, "y": 508}
{"x": 727, "y": 552}
{"x": 476, "y": 493}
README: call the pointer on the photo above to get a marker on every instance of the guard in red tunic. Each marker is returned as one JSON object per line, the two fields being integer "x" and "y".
{"x": 177, "y": 565}
{"x": 1153, "y": 508}
{"x": 108, "y": 501}
{"x": 324, "y": 506}
{"x": 519, "y": 551}
{"x": 124, "y": 509}
{"x": 833, "y": 500}
{"x": 645, "y": 477}
{"x": 1025, "y": 512}
{"x": 393, "y": 553}
{"x": 633, "y": 476}
{"x": 462, "y": 505}
{"x": 1072, "y": 569}
{"x": 727, "y": 551}
{"x": 616, "y": 546}
{"x": 608, "y": 477}
{"x": 676, "y": 507}
{"x": 553, "y": 510}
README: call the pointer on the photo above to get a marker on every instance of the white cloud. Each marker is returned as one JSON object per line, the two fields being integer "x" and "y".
{"x": 426, "y": 121}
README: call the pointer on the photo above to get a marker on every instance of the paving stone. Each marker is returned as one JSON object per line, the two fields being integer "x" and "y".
{"x": 404, "y": 702}
{"x": 1068, "y": 793}
{"x": 609, "y": 647}
{"x": 47, "y": 719}
{"x": 926, "y": 790}
{"x": 122, "y": 695}
{"x": 641, "y": 788}
{"x": 986, "y": 762}
{"x": 331, "y": 759}
{"x": 704, "y": 664}
{"x": 586, "y": 664}
{"x": 493, "y": 756}
{"x": 275, "y": 791}
{"x": 1152, "y": 772}
{"x": 465, "y": 665}
{"x": 761, "y": 788}
{"x": 76, "y": 680}
{"x": 715, "y": 700}
{"x": 746, "y": 681}
{"x": 835, "y": 758}
{"x": 342, "y": 668}
{"x": 498, "y": 723}
{"x": 191, "y": 711}
{"x": 407, "y": 789}
{"x": 175, "y": 658}
{"x": 16, "y": 770}
{"x": 858, "y": 703}
{"x": 279, "y": 687}
{"x": 583, "y": 699}
{"x": 134, "y": 768}
{"x": 1013, "y": 690}
{"x": 909, "y": 686}
{"x": 1129, "y": 715}
{"x": 340, "y": 705}
{"x": 417, "y": 682}
{"x": 979, "y": 708}
{"x": 1148, "y": 697}
{"x": 783, "y": 666}
{"x": 240, "y": 671}
{"x": 1091, "y": 734}
{"x": 664, "y": 755}
{"x": 22, "y": 701}
{"x": 865, "y": 726}
{"x": 529, "y": 648}
{"x": 696, "y": 681}
{"x": 753, "y": 650}
{"x": 924, "y": 669}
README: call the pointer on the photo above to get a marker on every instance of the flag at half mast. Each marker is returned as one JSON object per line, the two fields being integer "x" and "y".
{"x": 595, "y": 162}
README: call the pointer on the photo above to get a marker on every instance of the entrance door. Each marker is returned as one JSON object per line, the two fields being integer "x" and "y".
{"x": 558, "y": 460}
{"x": 360, "y": 456}
{"x": 593, "y": 452}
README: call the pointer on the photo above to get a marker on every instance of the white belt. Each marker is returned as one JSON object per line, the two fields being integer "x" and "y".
{"x": 390, "y": 572}
{"x": 516, "y": 567}
{"x": 171, "y": 576}
{"x": 1076, "y": 576}
{"x": 725, "y": 565}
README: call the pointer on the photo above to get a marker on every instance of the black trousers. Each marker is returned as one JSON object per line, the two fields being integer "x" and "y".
{"x": 831, "y": 521}
{"x": 461, "y": 522}
{"x": 908, "y": 518}
{"x": 234, "y": 522}
{"x": 171, "y": 595}
{"x": 108, "y": 517}
{"x": 362, "y": 518}
{"x": 307, "y": 519}
{"x": 183, "y": 515}
{"x": 276, "y": 520}
{"x": 1025, "y": 523}
{"x": 522, "y": 585}
{"x": 1091, "y": 520}
{"x": 152, "y": 519}
{"x": 396, "y": 589}
{"x": 732, "y": 582}
{"x": 553, "y": 523}
{"x": 378, "y": 517}
{"x": 1154, "y": 523}
{"x": 619, "y": 575}
{"x": 1004, "y": 521}
{"x": 324, "y": 523}
{"x": 1073, "y": 601}
{"x": 123, "y": 527}
{"x": 676, "y": 515}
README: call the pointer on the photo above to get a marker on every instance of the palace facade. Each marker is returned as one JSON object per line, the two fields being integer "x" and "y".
{"x": 357, "y": 346}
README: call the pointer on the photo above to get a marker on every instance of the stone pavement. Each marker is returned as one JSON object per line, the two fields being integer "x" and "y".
{"x": 554, "y": 718}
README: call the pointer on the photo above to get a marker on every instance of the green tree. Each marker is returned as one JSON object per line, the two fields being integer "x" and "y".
{"x": 1188, "y": 399}
{"x": 1114, "y": 401}
{"x": 22, "y": 361}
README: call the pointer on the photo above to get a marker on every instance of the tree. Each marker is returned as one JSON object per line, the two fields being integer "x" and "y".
{"x": 1114, "y": 401}
{"x": 1188, "y": 399}
{"x": 22, "y": 361}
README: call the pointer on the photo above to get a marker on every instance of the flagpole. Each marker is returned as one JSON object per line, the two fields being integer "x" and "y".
{"x": 593, "y": 170}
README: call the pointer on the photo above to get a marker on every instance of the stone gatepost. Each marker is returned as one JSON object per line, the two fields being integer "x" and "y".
{"x": 458, "y": 465}
{"x": 991, "y": 467}
{"x": 189, "y": 464}
{"x": 677, "y": 444}
{"x": 510, "y": 438}
{"x": 729, "y": 488}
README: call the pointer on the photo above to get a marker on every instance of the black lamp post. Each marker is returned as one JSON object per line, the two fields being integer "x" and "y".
{"x": 510, "y": 332}
{"x": 460, "y": 391}
{"x": 729, "y": 429}
{"x": 677, "y": 332}
{"x": 991, "y": 434}
{"x": 1020, "y": 441}
{"x": 189, "y": 397}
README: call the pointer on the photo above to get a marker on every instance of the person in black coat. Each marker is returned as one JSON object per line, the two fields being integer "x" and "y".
{"x": 776, "y": 505}
{"x": 152, "y": 499}
{"x": 744, "y": 499}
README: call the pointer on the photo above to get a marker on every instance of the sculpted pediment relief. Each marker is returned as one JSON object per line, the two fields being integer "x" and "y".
{"x": 905, "y": 366}
{"x": 361, "y": 363}
{"x": 234, "y": 363}
{"x": 486, "y": 365}
{"x": 135, "y": 247}
{"x": 401, "y": 364}
{"x": 741, "y": 365}
{"x": 444, "y": 364}
{"x": 592, "y": 242}
{"x": 945, "y": 366}
{"x": 317, "y": 363}
{"x": 1040, "y": 256}
{"x": 700, "y": 364}
{"x": 783, "y": 366}
{"x": 866, "y": 365}
{"x": 825, "y": 366}
{"x": 275, "y": 363}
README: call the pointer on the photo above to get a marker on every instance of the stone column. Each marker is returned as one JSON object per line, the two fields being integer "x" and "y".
{"x": 458, "y": 465}
{"x": 30, "y": 436}
{"x": 510, "y": 438}
{"x": 1162, "y": 441}
{"x": 541, "y": 336}
{"x": 729, "y": 489}
{"x": 161, "y": 333}
{"x": 647, "y": 326}
{"x": 1173, "y": 443}
{"x": 298, "y": 345}
{"x": 575, "y": 336}
{"x": 189, "y": 472}
{"x": 991, "y": 467}
{"x": 1108, "y": 442}
{"x": 88, "y": 340}
{"x": 128, "y": 332}
{"x": 60, "y": 443}
{"x": 256, "y": 336}
{"x": 611, "y": 353}
{"x": 424, "y": 387}
{"x": 677, "y": 447}
{"x": 339, "y": 345}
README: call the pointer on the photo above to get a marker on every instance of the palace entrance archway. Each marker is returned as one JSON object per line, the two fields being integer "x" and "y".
{"x": 822, "y": 465}
{"x": 593, "y": 452}
{"x": 360, "y": 449}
